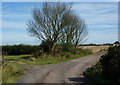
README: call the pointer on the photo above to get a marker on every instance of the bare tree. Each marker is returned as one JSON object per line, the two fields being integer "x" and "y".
{"x": 56, "y": 23}
{"x": 75, "y": 30}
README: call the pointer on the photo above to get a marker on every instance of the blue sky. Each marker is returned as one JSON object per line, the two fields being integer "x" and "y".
{"x": 101, "y": 19}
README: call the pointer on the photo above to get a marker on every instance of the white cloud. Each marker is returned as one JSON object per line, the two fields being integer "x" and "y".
{"x": 104, "y": 26}
{"x": 13, "y": 25}
{"x": 109, "y": 26}
{"x": 95, "y": 7}
{"x": 60, "y": 0}
{"x": 100, "y": 18}
{"x": 97, "y": 13}
{"x": 15, "y": 21}
{"x": 17, "y": 38}
{"x": 103, "y": 36}
{"x": 109, "y": 38}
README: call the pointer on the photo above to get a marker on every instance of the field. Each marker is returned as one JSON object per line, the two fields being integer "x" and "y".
{"x": 95, "y": 48}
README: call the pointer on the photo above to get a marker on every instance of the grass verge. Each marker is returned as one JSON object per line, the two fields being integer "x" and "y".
{"x": 10, "y": 72}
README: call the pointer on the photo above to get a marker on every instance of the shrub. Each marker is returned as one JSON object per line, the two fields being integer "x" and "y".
{"x": 95, "y": 75}
{"x": 19, "y": 49}
{"x": 111, "y": 63}
{"x": 84, "y": 52}
{"x": 38, "y": 54}
{"x": 67, "y": 47}
{"x": 117, "y": 42}
{"x": 45, "y": 45}
{"x": 65, "y": 54}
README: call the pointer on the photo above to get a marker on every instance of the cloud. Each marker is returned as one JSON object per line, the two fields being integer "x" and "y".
{"x": 17, "y": 38}
{"x": 102, "y": 36}
{"x": 13, "y": 25}
{"x": 100, "y": 18}
{"x": 104, "y": 26}
{"x": 91, "y": 7}
{"x": 97, "y": 13}
{"x": 15, "y": 10}
{"x": 61, "y": 0}
{"x": 16, "y": 22}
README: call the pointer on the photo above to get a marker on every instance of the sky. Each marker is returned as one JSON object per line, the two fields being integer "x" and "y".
{"x": 60, "y": 0}
{"x": 101, "y": 19}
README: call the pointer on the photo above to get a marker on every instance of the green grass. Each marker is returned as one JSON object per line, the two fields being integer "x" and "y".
{"x": 10, "y": 72}
{"x": 15, "y": 56}
{"x": 49, "y": 59}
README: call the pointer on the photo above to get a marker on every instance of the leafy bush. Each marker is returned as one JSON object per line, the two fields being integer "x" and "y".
{"x": 45, "y": 45}
{"x": 117, "y": 42}
{"x": 67, "y": 47}
{"x": 38, "y": 54}
{"x": 95, "y": 75}
{"x": 107, "y": 70}
{"x": 111, "y": 63}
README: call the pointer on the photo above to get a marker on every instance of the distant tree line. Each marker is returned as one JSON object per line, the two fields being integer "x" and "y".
{"x": 19, "y": 49}
{"x": 91, "y": 44}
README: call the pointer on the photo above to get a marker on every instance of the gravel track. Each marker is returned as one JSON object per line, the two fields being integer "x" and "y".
{"x": 64, "y": 72}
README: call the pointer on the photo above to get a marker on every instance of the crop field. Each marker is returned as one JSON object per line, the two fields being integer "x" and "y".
{"x": 95, "y": 48}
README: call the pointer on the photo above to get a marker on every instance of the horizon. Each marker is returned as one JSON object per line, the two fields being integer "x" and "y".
{"x": 101, "y": 19}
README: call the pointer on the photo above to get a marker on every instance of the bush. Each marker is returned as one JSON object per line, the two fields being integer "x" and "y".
{"x": 46, "y": 46}
{"x": 95, "y": 75}
{"x": 111, "y": 63}
{"x": 19, "y": 49}
{"x": 38, "y": 54}
{"x": 85, "y": 51}
{"x": 67, "y": 47}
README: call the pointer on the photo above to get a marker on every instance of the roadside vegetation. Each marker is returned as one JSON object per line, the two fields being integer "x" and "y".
{"x": 13, "y": 65}
{"x": 10, "y": 72}
{"x": 107, "y": 70}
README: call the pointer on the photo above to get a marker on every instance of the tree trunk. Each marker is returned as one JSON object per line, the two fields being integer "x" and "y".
{"x": 52, "y": 47}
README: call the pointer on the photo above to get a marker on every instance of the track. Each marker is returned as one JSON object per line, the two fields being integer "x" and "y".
{"x": 64, "y": 72}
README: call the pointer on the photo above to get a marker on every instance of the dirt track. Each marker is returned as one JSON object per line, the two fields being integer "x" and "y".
{"x": 65, "y": 72}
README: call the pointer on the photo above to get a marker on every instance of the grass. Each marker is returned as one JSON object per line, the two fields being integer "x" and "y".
{"x": 26, "y": 59}
{"x": 11, "y": 73}
{"x": 47, "y": 59}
